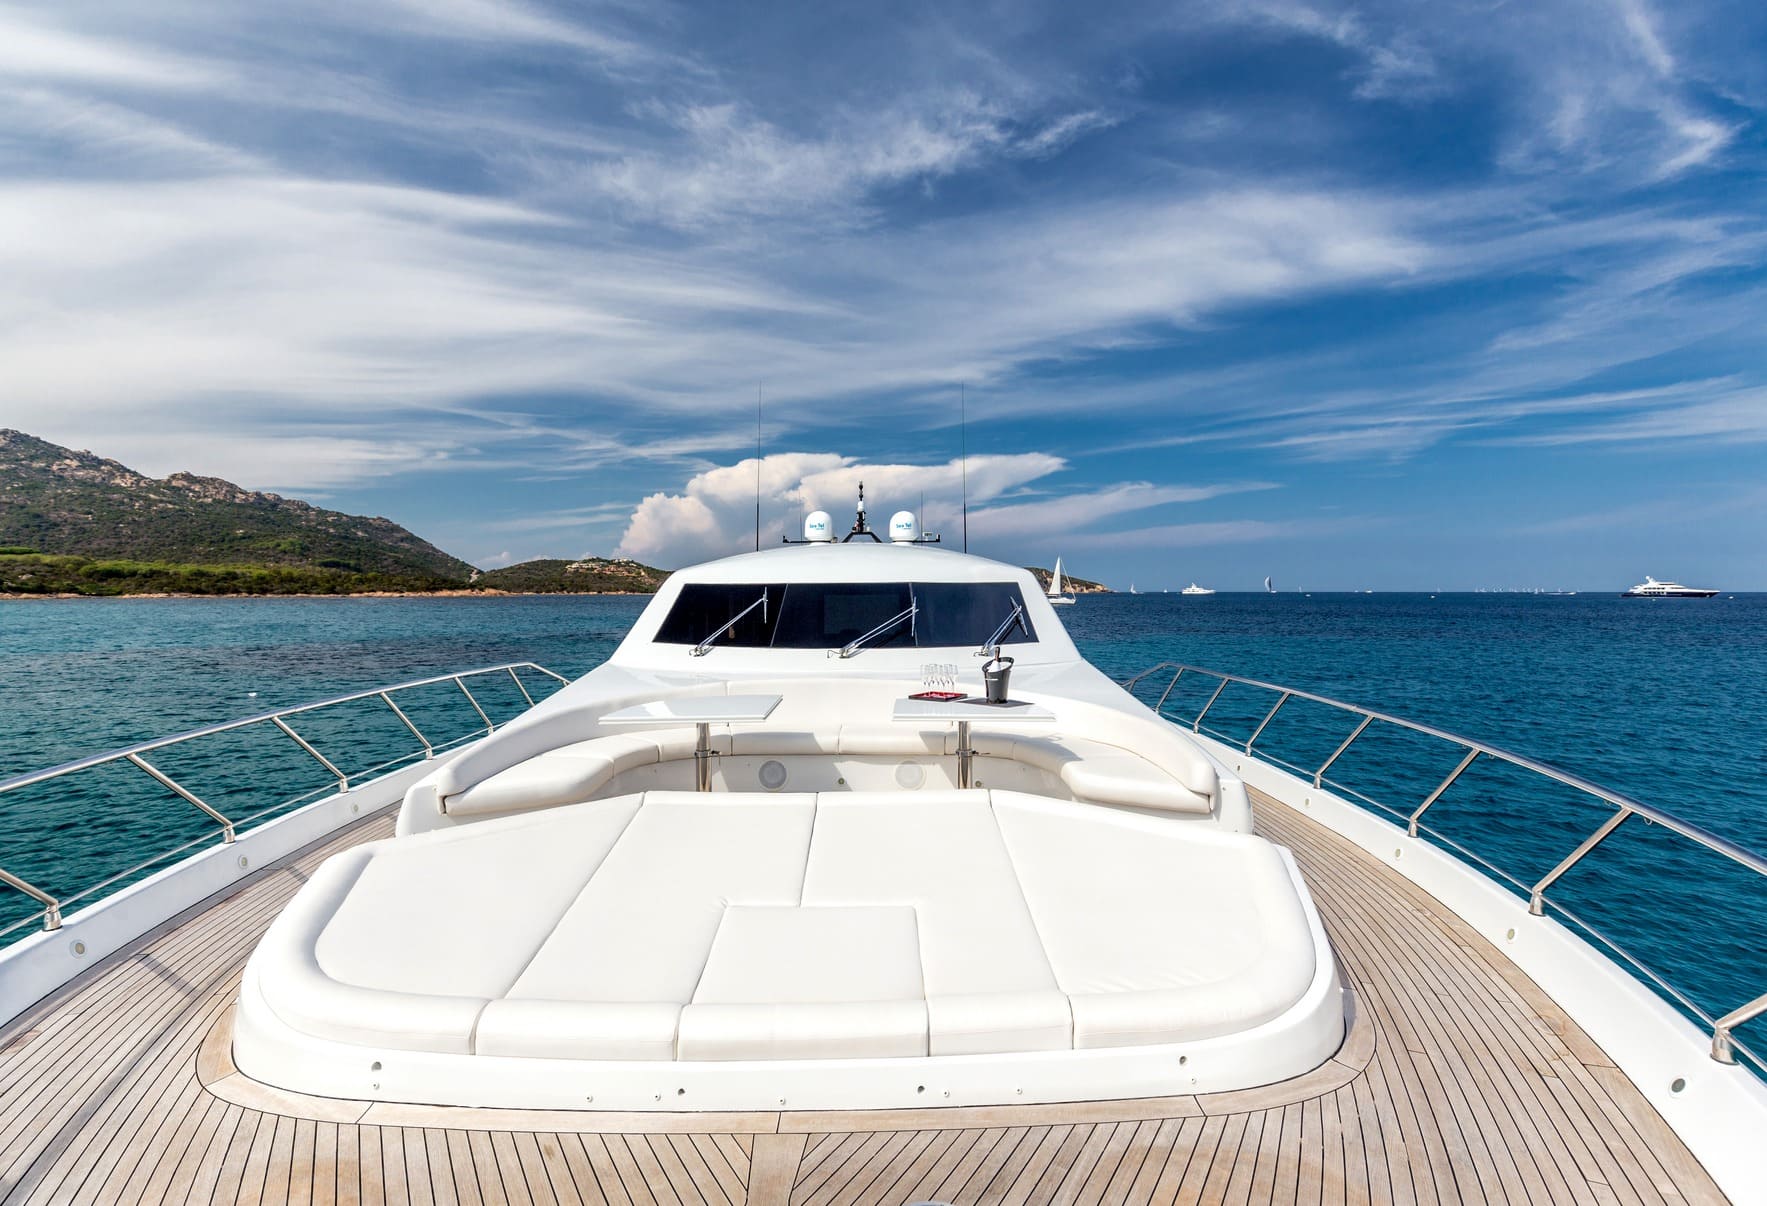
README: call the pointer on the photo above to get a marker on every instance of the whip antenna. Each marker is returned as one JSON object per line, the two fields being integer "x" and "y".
{"x": 757, "y": 468}
{"x": 963, "y": 455}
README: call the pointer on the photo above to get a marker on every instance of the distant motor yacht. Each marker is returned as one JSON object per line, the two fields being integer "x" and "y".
{"x": 1194, "y": 589}
{"x": 1650, "y": 588}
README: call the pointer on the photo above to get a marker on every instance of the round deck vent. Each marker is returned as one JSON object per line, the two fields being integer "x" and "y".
{"x": 910, "y": 775}
{"x": 773, "y": 774}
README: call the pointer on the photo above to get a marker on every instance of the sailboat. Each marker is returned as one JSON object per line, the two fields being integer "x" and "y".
{"x": 1268, "y": 589}
{"x": 1057, "y": 586}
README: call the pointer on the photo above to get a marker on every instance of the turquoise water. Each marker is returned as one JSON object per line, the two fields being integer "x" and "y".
{"x": 1663, "y": 700}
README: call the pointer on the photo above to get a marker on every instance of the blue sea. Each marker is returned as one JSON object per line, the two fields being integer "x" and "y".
{"x": 1665, "y": 700}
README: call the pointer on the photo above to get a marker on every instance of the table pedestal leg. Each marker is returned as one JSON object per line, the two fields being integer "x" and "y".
{"x": 702, "y": 759}
{"x": 965, "y": 756}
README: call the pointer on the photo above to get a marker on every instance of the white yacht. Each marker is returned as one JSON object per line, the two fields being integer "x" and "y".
{"x": 748, "y": 914}
{"x": 1650, "y": 588}
{"x": 1194, "y": 589}
{"x": 1058, "y": 595}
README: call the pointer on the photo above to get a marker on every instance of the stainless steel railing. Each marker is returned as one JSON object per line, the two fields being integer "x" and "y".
{"x": 53, "y": 907}
{"x": 1725, "y": 1046}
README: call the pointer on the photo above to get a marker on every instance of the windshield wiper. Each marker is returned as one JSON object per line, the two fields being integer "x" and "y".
{"x": 991, "y": 646}
{"x": 853, "y": 646}
{"x": 704, "y": 647}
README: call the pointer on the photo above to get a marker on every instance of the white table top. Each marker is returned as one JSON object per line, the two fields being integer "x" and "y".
{"x": 697, "y": 709}
{"x": 964, "y": 709}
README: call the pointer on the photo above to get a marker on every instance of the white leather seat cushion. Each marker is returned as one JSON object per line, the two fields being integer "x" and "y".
{"x": 1157, "y": 936}
{"x": 941, "y": 853}
{"x": 779, "y": 742}
{"x": 579, "y": 1029}
{"x": 573, "y": 773}
{"x": 809, "y": 983}
{"x": 896, "y": 741}
{"x": 642, "y": 928}
{"x": 1093, "y": 770}
{"x": 305, "y": 996}
{"x": 463, "y": 910}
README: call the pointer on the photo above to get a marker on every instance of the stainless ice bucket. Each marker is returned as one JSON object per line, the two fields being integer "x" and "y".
{"x": 995, "y": 676}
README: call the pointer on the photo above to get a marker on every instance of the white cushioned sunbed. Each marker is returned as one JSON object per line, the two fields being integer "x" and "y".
{"x": 703, "y": 929}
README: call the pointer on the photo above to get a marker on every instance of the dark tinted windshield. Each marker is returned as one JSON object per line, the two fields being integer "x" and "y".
{"x": 828, "y": 615}
{"x": 703, "y": 608}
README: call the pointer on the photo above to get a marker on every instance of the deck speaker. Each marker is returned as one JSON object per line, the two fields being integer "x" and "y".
{"x": 773, "y": 774}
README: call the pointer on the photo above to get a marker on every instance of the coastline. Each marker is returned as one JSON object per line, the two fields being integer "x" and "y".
{"x": 462, "y": 593}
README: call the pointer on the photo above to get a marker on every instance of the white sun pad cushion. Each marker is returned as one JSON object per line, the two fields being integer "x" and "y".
{"x": 989, "y": 986}
{"x": 641, "y": 931}
{"x": 1158, "y": 936}
{"x": 397, "y": 942}
{"x": 809, "y": 983}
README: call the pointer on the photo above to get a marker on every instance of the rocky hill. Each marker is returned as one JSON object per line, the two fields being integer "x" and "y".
{"x": 591, "y": 575}
{"x": 1076, "y": 586}
{"x": 55, "y": 501}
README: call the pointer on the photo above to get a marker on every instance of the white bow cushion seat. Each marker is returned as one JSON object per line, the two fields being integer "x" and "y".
{"x": 401, "y": 943}
{"x": 573, "y": 773}
{"x": 741, "y": 927}
{"x": 989, "y": 986}
{"x": 640, "y": 932}
{"x": 809, "y": 983}
{"x": 1095, "y": 771}
{"x": 1124, "y": 907}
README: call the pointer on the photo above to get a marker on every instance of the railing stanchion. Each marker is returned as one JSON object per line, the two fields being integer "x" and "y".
{"x": 183, "y": 793}
{"x": 429, "y": 751}
{"x": 519, "y": 686}
{"x": 1723, "y": 1049}
{"x": 51, "y": 906}
{"x": 1537, "y": 897}
{"x": 1319, "y": 775}
{"x": 1168, "y": 690}
{"x": 1196, "y": 726}
{"x": 343, "y": 780}
{"x": 1268, "y": 717}
{"x": 1411, "y": 825}
{"x": 489, "y": 727}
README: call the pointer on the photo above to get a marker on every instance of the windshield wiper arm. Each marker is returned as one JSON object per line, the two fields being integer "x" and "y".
{"x": 704, "y": 647}
{"x": 991, "y": 646}
{"x": 853, "y": 646}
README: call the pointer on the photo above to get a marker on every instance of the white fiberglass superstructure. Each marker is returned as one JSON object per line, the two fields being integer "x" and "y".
{"x": 736, "y": 865}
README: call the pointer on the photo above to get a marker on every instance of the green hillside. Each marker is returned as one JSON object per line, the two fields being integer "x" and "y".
{"x": 56, "y": 501}
{"x": 591, "y": 575}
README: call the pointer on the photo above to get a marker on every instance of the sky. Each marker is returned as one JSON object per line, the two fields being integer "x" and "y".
{"x": 1374, "y": 295}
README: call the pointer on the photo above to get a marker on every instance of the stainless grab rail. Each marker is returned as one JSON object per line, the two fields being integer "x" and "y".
{"x": 51, "y": 914}
{"x": 1724, "y": 1045}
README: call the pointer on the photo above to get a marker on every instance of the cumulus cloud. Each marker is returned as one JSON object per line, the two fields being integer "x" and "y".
{"x": 714, "y": 513}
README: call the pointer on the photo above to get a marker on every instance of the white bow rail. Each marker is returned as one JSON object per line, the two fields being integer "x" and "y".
{"x": 1725, "y": 1046}
{"x": 53, "y": 907}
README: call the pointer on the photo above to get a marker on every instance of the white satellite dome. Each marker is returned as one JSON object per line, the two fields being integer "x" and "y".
{"x": 818, "y": 527}
{"x": 902, "y": 528}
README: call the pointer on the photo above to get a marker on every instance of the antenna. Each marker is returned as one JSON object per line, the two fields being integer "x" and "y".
{"x": 757, "y": 467}
{"x": 963, "y": 455}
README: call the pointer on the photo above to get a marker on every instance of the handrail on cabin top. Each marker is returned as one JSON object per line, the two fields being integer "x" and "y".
{"x": 1724, "y": 1044}
{"x": 51, "y": 913}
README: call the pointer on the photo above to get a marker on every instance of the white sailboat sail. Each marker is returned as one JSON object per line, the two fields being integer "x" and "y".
{"x": 1058, "y": 592}
{"x": 1268, "y": 589}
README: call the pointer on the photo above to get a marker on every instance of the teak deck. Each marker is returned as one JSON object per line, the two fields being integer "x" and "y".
{"x": 1460, "y": 1081}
